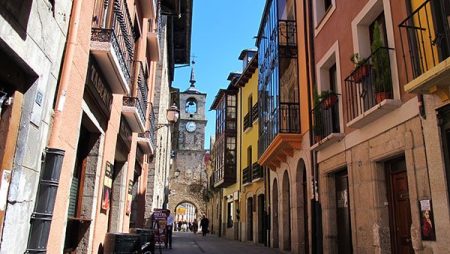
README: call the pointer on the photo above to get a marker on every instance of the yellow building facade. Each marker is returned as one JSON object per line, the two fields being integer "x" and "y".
{"x": 252, "y": 200}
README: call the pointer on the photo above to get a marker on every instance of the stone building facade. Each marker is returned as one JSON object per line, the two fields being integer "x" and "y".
{"x": 189, "y": 154}
{"x": 376, "y": 176}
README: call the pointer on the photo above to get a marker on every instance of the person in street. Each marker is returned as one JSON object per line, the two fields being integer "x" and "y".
{"x": 204, "y": 223}
{"x": 179, "y": 225}
{"x": 170, "y": 222}
{"x": 195, "y": 226}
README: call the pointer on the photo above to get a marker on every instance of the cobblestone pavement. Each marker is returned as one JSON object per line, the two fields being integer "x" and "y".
{"x": 190, "y": 243}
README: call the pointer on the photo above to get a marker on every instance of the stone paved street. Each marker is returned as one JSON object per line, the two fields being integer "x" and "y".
{"x": 190, "y": 243}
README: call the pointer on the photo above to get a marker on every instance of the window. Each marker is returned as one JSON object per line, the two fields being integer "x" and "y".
{"x": 230, "y": 214}
{"x": 191, "y": 106}
{"x": 381, "y": 21}
{"x": 321, "y": 9}
{"x": 334, "y": 110}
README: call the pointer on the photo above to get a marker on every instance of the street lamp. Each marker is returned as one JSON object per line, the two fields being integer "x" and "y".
{"x": 172, "y": 114}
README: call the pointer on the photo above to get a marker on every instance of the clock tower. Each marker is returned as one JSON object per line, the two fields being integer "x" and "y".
{"x": 189, "y": 151}
{"x": 192, "y": 121}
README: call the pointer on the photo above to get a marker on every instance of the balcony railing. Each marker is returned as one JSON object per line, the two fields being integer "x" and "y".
{"x": 325, "y": 117}
{"x": 289, "y": 117}
{"x": 247, "y": 121}
{"x": 143, "y": 89}
{"x": 119, "y": 33}
{"x": 247, "y": 175}
{"x": 152, "y": 128}
{"x": 427, "y": 30}
{"x": 369, "y": 84}
{"x": 255, "y": 112}
{"x": 137, "y": 103}
{"x": 257, "y": 171}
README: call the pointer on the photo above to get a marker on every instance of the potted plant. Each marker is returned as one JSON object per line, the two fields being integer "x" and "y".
{"x": 317, "y": 118}
{"x": 361, "y": 67}
{"x": 382, "y": 80}
{"x": 328, "y": 98}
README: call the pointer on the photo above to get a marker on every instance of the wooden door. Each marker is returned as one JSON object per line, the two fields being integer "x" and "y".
{"x": 250, "y": 219}
{"x": 344, "y": 230}
{"x": 399, "y": 207}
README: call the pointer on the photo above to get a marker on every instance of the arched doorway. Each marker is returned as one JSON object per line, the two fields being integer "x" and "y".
{"x": 302, "y": 207}
{"x": 186, "y": 214}
{"x": 275, "y": 214}
{"x": 286, "y": 210}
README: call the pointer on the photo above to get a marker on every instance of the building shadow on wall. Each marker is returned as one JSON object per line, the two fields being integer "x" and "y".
{"x": 17, "y": 14}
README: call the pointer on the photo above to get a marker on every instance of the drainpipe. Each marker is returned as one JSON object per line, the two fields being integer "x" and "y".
{"x": 65, "y": 72}
{"x": 316, "y": 220}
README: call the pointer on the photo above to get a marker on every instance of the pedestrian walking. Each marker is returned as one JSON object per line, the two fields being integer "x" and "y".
{"x": 204, "y": 223}
{"x": 195, "y": 226}
{"x": 170, "y": 222}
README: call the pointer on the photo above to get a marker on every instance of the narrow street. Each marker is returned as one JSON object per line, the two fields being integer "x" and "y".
{"x": 190, "y": 243}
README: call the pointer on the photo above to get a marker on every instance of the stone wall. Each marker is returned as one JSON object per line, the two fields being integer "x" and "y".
{"x": 367, "y": 187}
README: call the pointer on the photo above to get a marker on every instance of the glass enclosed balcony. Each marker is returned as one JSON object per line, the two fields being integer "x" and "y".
{"x": 225, "y": 105}
{"x": 278, "y": 84}
{"x": 112, "y": 43}
{"x": 425, "y": 38}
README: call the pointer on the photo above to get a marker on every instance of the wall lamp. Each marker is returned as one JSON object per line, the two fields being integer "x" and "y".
{"x": 172, "y": 115}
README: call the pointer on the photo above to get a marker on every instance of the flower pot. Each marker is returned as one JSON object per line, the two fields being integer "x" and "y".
{"x": 381, "y": 96}
{"x": 330, "y": 101}
{"x": 360, "y": 73}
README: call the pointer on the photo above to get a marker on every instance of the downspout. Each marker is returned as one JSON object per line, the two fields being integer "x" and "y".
{"x": 311, "y": 77}
{"x": 65, "y": 73}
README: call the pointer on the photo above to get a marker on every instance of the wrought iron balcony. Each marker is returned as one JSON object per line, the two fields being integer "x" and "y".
{"x": 153, "y": 126}
{"x": 113, "y": 45}
{"x": 426, "y": 49}
{"x": 289, "y": 117}
{"x": 325, "y": 117}
{"x": 369, "y": 84}
{"x": 247, "y": 121}
{"x": 247, "y": 175}
{"x": 133, "y": 111}
{"x": 143, "y": 88}
{"x": 257, "y": 172}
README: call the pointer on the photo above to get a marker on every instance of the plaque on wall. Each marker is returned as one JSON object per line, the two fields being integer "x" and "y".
{"x": 130, "y": 196}
{"x": 107, "y": 185}
{"x": 427, "y": 220}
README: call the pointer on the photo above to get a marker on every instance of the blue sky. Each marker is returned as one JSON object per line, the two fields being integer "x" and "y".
{"x": 221, "y": 29}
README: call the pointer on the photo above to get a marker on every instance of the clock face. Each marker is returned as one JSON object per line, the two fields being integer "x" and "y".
{"x": 191, "y": 126}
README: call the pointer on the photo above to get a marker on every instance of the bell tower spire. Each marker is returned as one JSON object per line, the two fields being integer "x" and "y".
{"x": 192, "y": 80}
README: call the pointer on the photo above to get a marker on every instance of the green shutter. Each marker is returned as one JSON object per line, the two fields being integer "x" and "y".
{"x": 73, "y": 197}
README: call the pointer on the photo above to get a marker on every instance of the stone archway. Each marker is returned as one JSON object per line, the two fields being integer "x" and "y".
{"x": 198, "y": 203}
